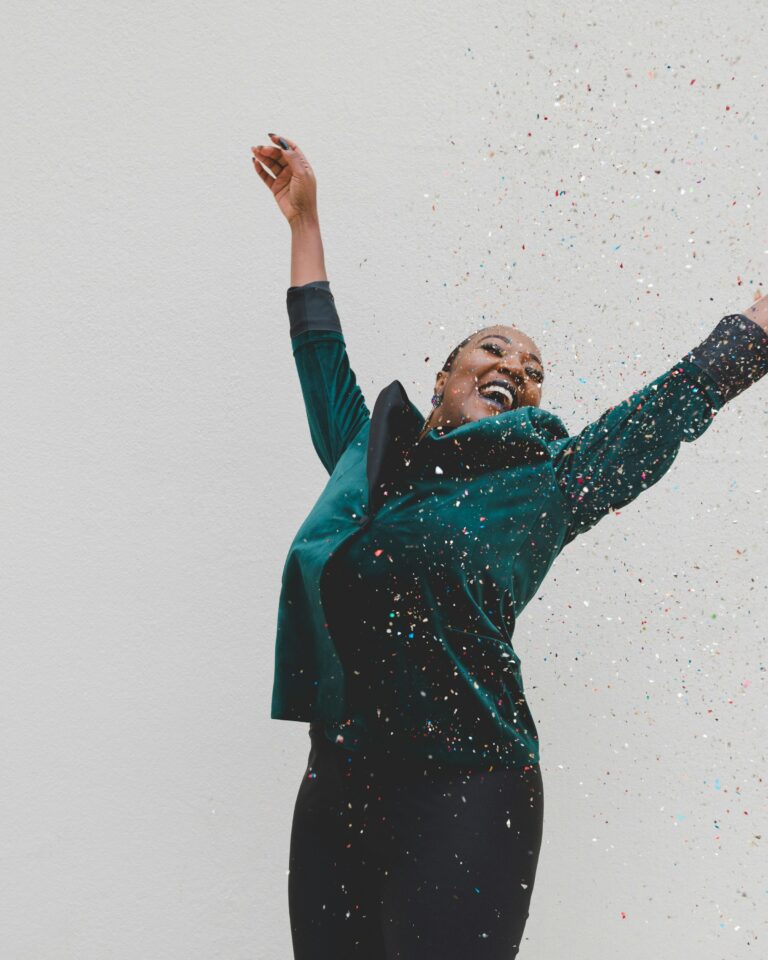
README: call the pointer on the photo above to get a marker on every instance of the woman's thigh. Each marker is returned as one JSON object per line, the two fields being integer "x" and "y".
{"x": 460, "y": 857}
{"x": 333, "y": 883}
{"x": 389, "y": 864}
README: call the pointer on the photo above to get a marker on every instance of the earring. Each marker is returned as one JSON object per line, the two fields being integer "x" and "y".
{"x": 437, "y": 399}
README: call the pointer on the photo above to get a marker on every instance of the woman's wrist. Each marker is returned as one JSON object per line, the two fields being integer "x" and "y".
{"x": 758, "y": 312}
{"x": 307, "y": 257}
{"x": 305, "y": 221}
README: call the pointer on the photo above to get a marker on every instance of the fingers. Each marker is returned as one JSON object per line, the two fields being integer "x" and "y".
{"x": 277, "y": 158}
{"x": 269, "y": 180}
{"x": 277, "y": 139}
{"x": 275, "y": 152}
{"x": 271, "y": 157}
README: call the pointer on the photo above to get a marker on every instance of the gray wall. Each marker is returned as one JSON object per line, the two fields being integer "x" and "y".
{"x": 156, "y": 461}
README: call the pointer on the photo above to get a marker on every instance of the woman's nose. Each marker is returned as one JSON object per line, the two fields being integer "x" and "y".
{"x": 512, "y": 368}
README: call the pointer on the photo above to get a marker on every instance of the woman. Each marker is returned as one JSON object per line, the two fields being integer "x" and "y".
{"x": 418, "y": 822}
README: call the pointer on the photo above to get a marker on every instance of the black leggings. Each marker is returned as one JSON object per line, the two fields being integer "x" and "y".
{"x": 388, "y": 863}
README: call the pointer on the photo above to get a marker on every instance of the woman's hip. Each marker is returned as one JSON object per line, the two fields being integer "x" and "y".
{"x": 397, "y": 802}
{"x": 393, "y": 858}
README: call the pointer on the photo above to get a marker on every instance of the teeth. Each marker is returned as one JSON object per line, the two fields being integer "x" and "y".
{"x": 495, "y": 388}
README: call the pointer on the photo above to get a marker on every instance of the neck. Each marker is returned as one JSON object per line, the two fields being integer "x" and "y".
{"x": 428, "y": 425}
{"x": 425, "y": 429}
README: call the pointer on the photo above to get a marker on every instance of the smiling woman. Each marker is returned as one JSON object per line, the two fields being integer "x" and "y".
{"x": 418, "y": 820}
{"x": 493, "y": 370}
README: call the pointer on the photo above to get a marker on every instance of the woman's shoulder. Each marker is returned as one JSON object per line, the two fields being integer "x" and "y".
{"x": 546, "y": 424}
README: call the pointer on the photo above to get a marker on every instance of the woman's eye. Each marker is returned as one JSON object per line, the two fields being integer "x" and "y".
{"x": 493, "y": 347}
{"x": 496, "y": 349}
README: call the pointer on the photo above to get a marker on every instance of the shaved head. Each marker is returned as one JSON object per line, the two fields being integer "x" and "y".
{"x": 493, "y": 371}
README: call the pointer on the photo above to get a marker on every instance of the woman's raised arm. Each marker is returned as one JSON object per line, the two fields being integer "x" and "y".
{"x": 335, "y": 407}
{"x": 632, "y": 445}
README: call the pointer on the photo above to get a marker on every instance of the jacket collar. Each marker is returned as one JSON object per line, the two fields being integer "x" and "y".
{"x": 395, "y": 425}
{"x": 515, "y": 438}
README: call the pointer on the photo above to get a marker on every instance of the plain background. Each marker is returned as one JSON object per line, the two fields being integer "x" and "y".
{"x": 593, "y": 174}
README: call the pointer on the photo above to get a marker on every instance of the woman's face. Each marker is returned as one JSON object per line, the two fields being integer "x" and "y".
{"x": 497, "y": 370}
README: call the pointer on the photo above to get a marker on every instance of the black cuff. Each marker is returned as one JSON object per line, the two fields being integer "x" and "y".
{"x": 734, "y": 355}
{"x": 311, "y": 307}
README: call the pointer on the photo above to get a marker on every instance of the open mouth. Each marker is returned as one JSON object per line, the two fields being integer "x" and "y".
{"x": 497, "y": 395}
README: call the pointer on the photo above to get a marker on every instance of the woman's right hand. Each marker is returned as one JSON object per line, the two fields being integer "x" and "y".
{"x": 293, "y": 183}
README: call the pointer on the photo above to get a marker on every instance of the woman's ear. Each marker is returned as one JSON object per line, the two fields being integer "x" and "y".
{"x": 440, "y": 381}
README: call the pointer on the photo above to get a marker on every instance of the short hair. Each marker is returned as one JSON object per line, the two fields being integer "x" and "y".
{"x": 452, "y": 355}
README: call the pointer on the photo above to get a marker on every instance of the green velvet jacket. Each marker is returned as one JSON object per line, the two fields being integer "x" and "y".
{"x": 401, "y": 588}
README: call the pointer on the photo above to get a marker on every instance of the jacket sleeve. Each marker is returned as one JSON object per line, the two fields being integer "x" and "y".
{"x": 633, "y": 444}
{"x": 336, "y": 409}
